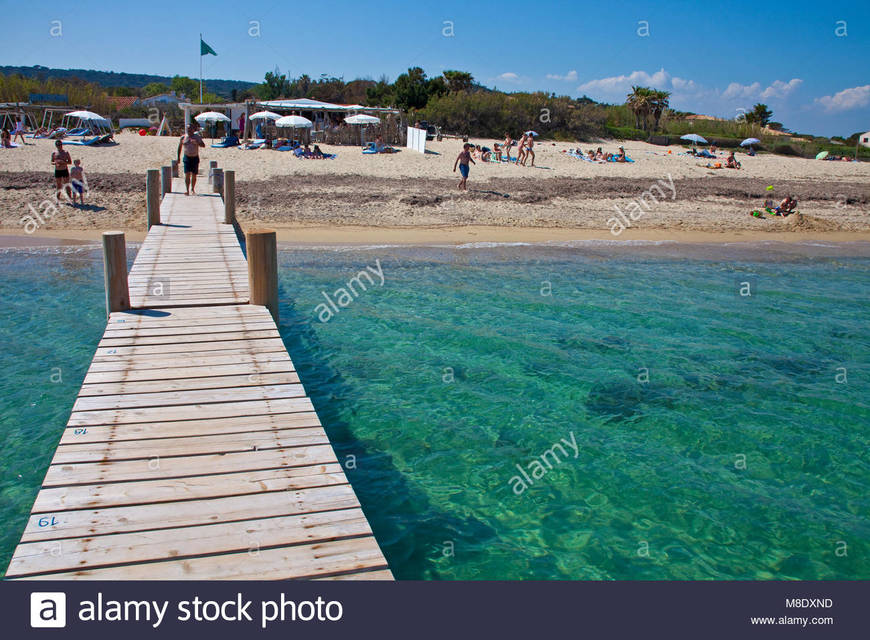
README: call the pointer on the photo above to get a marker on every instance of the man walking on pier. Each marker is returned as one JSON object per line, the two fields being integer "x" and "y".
{"x": 190, "y": 142}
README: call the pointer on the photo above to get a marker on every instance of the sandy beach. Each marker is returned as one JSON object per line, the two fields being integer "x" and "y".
{"x": 409, "y": 197}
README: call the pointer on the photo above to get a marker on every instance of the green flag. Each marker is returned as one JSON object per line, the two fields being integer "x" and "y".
{"x": 204, "y": 49}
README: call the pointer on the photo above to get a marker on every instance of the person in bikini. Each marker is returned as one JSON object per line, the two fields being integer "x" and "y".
{"x": 61, "y": 161}
{"x": 191, "y": 142}
{"x": 530, "y": 142}
{"x": 521, "y": 150}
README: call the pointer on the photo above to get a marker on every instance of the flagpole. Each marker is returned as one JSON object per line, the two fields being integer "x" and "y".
{"x": 200, "y": 68}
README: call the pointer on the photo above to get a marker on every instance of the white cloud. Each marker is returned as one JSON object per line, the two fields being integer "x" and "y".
{"x": 737, "y": 90}
{"x": 688, "y": 92}
{"x": 622, "y": 84}
{"x": 852, "y": 98}
{"x": 780, "y": 89}
{"x": 509, "y": 76}
{"x": 571, "y": 76}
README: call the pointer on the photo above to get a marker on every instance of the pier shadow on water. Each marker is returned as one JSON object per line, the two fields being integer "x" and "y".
{"x": 409, "y": 530}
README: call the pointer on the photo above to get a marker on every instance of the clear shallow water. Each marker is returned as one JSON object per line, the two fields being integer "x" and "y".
{"x": 458, "y": 369}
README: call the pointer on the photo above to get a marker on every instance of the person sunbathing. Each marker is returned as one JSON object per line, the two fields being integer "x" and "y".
{"x": 600, "y": 155}
{"x": 620, "y": 157}
{"x": 317, "y": 153}
{"x": 787, "y": 206}
{"x": 485, "y": 154}
{"x": 590, "y": 155}
{"x": 731, "y": 162}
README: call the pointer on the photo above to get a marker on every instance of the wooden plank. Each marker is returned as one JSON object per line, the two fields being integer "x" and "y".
{"x": 101, "y": 496}
{"x": 166, "y": 399}
{"x": 250, "y": 536}
{"x": 172, "y": 515}
{"x": 189, "y": 445}
{"x": 248, "y": 379}
{"x": 183, "y": 428}
{"x": 184, "y": 466}
{"x": 295, "y": 562}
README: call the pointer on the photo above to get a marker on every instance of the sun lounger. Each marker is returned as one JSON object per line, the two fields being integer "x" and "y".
{"x": 230, "y": 141}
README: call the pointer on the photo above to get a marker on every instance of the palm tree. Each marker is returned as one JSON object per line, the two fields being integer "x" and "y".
{"x": 640, "y": 102}
{"x": 660, "y": 103}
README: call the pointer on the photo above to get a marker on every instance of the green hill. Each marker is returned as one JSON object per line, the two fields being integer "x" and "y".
{"x": 222, "y": 88}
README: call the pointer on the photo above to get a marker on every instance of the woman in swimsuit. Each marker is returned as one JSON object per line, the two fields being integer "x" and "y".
{"x": 521, "y": 150}
{"x": 508, "y": 143}
{"x": 530, "y": 142}
{"x": 61, "y": 161}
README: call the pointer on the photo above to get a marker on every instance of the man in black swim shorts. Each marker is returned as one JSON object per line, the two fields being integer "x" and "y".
{"x": 190, "y": 142}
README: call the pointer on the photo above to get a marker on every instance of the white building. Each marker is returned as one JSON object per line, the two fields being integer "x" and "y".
{"x": 864, "y": 139}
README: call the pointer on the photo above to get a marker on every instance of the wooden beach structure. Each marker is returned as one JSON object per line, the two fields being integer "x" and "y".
{"x": 192, "y": 450}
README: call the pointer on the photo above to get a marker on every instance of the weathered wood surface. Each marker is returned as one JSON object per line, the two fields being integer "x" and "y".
{"x": 192, "y": 450}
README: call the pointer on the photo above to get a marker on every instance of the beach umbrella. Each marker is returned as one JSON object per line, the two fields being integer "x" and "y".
{"x": 821, "y": 155}
{"x": 211, "y": 116}
{"x": 265, "y": 115}
{"x": 86, "y": 115}
{"x": 532, "y": 133}
{"x": 750, "y": 141}
{"x": 296, "y": 122}
{"x": 694, "y": 137}
{"x": 362, "y": 119}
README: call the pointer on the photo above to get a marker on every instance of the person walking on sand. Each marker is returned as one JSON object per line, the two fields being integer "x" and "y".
{"x": 18, "y": 131}
{"x": 462, "y": 160}
{"x": 77, "y": 177}
{"x": 61, "y": 161}
{"x": 190, "y": 142}
{"x": 530, "y": 142}
{"x": 521, "y": 150}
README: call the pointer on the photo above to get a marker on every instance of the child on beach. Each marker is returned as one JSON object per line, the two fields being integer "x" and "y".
{"x": 462, "y": 160}
{"x": 77, "y": 177}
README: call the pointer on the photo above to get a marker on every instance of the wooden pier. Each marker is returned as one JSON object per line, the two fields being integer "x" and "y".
{"x": 192, "y": 450}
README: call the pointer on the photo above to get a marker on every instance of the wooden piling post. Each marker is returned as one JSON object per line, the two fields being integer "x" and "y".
{"x": 115, "y": 271}
{"x": 217, "y": 181}
{"x": 165, "y": 180}
{"x": 152, "y": 197}
{"x": 229, "y": 197}
{"x": 262, "y": 247}
{"x": 212, "y": 165}
{"x": 174, "y": 166}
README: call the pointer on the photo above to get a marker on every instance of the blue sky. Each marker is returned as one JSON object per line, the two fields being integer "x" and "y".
{"x": 807, "y": 60}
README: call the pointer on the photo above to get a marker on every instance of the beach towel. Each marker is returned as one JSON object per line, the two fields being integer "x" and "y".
{"x": 12, "y": 145}
{"x": 613, "y": 159}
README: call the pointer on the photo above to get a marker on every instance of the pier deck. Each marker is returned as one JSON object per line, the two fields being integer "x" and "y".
{"x": 192, "y": 450}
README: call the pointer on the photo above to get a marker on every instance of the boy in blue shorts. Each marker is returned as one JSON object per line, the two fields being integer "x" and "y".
{"x": 462, "y": 160}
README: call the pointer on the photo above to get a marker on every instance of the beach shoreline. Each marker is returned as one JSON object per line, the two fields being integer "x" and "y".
{"x": 457, "y": 235}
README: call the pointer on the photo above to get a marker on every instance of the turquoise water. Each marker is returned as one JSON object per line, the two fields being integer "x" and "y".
{"x": 705, "y": 434}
